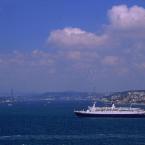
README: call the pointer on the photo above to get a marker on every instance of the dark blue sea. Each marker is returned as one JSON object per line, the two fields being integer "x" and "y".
{"x": 41, "y": 123}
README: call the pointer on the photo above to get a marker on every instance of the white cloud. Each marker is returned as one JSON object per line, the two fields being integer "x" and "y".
{"x": 76, "y": 37}
{"x": 127, "y": 18}
{"x": 35, "y": 58}
{"x": 118, "y": 47}
{"x": 129, "y": 21}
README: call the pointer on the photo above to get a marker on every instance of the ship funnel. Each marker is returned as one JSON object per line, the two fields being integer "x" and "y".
{"x": 113, "y": 106}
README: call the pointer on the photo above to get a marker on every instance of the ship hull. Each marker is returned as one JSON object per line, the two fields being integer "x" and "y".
{"x": 79, "y": 114}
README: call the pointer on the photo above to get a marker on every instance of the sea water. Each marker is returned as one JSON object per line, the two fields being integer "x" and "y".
{"x": 54, "y": 123}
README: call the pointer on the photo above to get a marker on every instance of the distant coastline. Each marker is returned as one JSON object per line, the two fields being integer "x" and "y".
{"x": 125, "y": 97}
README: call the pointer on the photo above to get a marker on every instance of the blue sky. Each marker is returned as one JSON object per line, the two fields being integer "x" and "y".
{"x": 53, "y": 45}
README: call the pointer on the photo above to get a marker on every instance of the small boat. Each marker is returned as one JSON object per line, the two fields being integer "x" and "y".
{"x": 115, "y": 112}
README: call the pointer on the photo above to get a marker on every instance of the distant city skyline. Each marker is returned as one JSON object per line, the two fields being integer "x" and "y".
{"x": 77, "y": 45}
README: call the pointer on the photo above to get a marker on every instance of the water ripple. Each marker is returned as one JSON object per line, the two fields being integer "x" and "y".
{"x": 69, "y": 137}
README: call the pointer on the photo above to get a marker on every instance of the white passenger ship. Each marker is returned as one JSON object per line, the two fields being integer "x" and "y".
{"x": 112, "y": 111}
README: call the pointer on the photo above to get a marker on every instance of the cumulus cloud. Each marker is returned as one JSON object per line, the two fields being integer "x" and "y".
{"x": 119, "y": 46}
{"x": 123, "y": 17}
{"x": 76, "y": 37}
{"x": 124, "y": 23}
